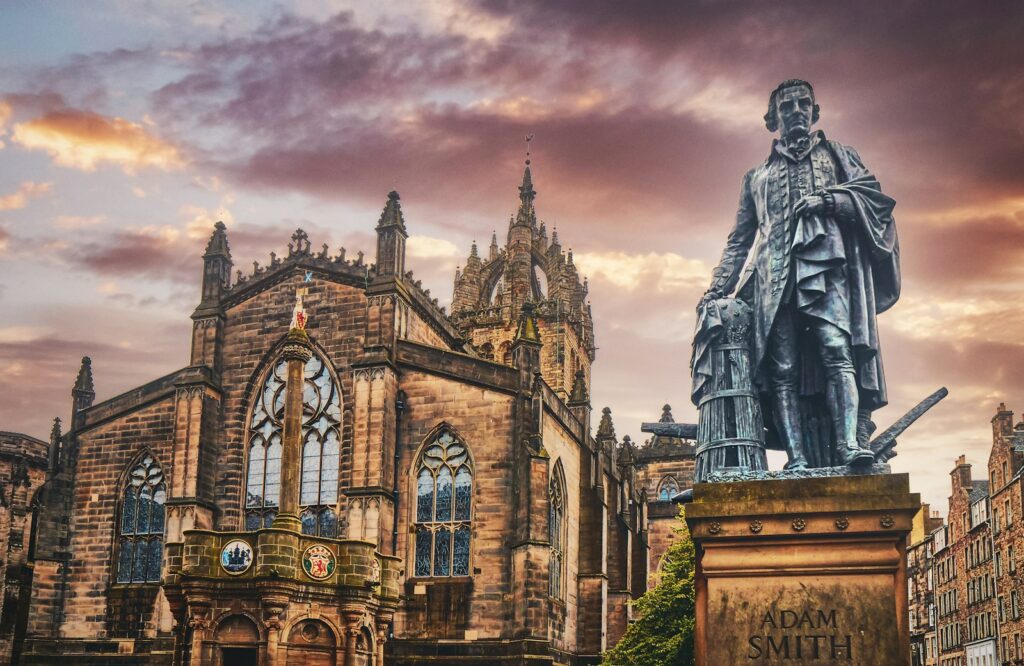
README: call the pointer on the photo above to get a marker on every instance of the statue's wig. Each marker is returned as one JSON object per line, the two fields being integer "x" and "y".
{"x": 771, "y": 119}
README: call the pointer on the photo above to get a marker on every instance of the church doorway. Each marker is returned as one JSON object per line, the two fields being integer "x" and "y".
{"x": 238, "y": 642}
{"x": 235, "y": 656}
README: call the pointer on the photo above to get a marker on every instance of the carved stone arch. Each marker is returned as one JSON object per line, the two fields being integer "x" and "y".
{"x": 492, "y": 272}
{"x": 666, "y": 486}
{"x": 434, "y": 433}
{"x": 366, "y": 645}
{"x": 268, "y": 364}
{"x": 140, "y": 453}
{"x": 558, "y": 532}
{"x": 268, "y": 360}
{"x": 293, "y": 629}
{"x": 239, "y": 628}
{"x": 442, "y": 473}
{"x": 125, "y": 544}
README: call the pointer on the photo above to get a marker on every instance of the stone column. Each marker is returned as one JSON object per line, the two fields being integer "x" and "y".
{"x": 296, "y": 353}
{"x": 273, "y": 608}
{"x": 382, "y": 638}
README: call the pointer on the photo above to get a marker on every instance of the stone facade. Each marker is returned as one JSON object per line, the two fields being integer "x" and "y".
{"x": 974, "y": 563}
{"x": 24, "y": 465}
{"x": 439, "y": 471}
{"x": 921, "y": 587}
{"x": 665, "y": 467}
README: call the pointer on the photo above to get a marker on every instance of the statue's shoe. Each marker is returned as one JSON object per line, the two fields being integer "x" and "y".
{"x": 854, "y": 456}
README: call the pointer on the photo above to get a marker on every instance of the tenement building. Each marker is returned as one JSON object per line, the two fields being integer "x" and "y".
{"x": 921, "y": 587}
{"x": 343, "y": 473}
{"x": 978, "y": 587}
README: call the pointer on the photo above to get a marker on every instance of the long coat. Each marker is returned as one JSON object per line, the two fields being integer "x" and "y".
{"x": 820, "y": 255}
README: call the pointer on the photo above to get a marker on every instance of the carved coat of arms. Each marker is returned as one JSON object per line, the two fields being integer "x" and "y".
{"x": 318, "y": 562}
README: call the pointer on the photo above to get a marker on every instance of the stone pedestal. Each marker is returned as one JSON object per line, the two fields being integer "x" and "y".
{"x": 803, "y": 570}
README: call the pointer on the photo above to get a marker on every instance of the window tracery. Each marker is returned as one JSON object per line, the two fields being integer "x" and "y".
{"x": 668, "y": 489}
{"x": 141, "y": 528}
{"x": 444, "y": 492}
{"x": 321, "y": 447}
{"x": 556, "y": 532}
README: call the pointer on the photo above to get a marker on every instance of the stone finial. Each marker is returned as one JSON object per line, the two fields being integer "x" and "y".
{"x": 83, "y": 384}
{"x": 218, "y": 245}
{"x": 527, "y": 329}
{"x": 626, "y": 451}
{"x": 300, "y": 241}
{"x": 579, "y": 388}
{"x": 392, "y": 216}
{"x": 526, "y": 215}
{"x": 606, "y": 429}
{"x": 666, "y": 415}
{"x": 472, "y": 250}
{"x": 54, "y": 448}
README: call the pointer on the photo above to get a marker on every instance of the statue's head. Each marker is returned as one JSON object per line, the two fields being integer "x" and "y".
{"x": 791, "y": 108}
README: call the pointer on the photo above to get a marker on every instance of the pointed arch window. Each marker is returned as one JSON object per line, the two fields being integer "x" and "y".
{"x": 667, "y": 489}
{"x": 141, "y": 526}
{"x": 321, "y": 449}
{"x": 444, "y": 495}
{"x": 556, "y": 532}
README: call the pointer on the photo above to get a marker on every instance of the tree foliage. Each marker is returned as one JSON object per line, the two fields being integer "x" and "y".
{"x": 662, "y": 635}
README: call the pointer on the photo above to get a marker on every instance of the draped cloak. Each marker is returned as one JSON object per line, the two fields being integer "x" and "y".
{"x": 821, "y": 266}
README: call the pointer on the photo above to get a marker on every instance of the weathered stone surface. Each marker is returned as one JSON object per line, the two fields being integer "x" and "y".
{"x": 806, "y": 571}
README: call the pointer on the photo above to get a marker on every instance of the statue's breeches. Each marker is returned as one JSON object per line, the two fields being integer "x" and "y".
{"x": 782, "y": 362}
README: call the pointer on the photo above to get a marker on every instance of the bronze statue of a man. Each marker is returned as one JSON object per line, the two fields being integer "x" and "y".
{"x": 825, "y": 262}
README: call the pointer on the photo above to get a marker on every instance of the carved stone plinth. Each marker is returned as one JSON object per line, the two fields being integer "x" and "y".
{"x": 802, "y": 570}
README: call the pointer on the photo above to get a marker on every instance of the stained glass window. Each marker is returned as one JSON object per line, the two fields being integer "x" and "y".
{"x": 320, "y": 454}
{"x": 668, "y": 489}
{"x": 444, "y": 492}
{"x": 556, "y": 531}
{"x": 140, "y": 546}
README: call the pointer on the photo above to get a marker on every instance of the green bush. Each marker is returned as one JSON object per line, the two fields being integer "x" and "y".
{"x": 662, "y": 634}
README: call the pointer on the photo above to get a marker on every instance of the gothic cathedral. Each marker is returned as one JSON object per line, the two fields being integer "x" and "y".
{"x": 344, "y": 473}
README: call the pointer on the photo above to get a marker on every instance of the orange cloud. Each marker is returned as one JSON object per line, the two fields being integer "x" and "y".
{"x": 85, "y": 140}
{"x": 5, "y": 115}
{"x": 27, "y": 190}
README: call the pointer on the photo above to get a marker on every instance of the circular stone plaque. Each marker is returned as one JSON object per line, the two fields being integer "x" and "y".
{"x": 236, "y": 557}
{"x": 318, "y": 562}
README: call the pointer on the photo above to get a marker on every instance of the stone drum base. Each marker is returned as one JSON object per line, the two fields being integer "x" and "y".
{"x": 802, "y": 570}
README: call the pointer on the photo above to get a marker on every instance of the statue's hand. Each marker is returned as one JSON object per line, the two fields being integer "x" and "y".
{"x": 711, "y": 294}
{"x": 812, "y": 204}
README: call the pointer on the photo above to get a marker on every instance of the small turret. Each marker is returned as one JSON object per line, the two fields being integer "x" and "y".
{"x": 216, "y": 266}
{"x": 493, "y": 254}
{"x": 526, "y": 345}
{"x": 606, "y": 429}
{"x": 579, "y": 389}
{"x": 391, "y": 236}
{"x": 83, "y": 394}
{"x": 54, "y": 450}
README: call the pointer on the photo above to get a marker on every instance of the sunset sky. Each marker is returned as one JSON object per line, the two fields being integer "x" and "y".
{"x": 128, "y": 128}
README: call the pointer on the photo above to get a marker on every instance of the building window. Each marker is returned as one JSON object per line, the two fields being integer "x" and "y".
{"x": 321, "y": 434}
{"x": 668, "y": 489}
{"x": 141, "y": 533}
{"x": 444, "y": 492}
{"x": 556, "y": 531}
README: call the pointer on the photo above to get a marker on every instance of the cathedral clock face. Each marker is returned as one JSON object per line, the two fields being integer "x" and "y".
{"x": 318, "y": 562}
{"x": 236, "y": 557}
